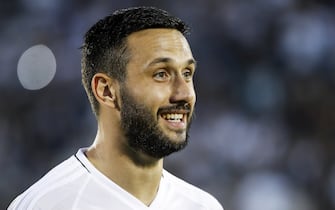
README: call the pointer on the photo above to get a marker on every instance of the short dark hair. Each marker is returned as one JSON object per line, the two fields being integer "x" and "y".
{"x": 105, "y": 47}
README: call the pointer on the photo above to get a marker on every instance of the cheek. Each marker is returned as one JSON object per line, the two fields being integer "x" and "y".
{"x": 157, "y": 98}
{"x": 154, "y": 97}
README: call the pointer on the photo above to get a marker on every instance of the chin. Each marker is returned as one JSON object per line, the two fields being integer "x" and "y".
{"x": 176, "y": 136}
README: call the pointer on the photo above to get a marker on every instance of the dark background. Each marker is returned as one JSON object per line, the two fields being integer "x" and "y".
{"x": 263, "y": 137}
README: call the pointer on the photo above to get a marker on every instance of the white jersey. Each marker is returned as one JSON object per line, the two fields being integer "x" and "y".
{"x": 77, "y": 185}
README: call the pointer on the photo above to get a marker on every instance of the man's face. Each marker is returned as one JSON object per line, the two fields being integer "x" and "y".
{"x": 157, "y": 97}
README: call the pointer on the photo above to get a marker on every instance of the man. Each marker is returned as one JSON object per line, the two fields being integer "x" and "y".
{"x": 137, "y": 70}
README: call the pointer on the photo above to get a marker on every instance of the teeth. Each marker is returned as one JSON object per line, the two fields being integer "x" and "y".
{"x": 173, "y": 117}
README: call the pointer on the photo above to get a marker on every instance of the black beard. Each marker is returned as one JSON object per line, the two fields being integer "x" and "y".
{"x": 142, "y": 131}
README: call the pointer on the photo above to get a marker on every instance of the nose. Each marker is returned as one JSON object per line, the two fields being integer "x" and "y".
{"x": 182, "y": 91}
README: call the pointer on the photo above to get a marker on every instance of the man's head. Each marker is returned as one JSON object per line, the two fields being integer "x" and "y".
{"x": 143, "y": 78}
{"x": 105, "y": 47}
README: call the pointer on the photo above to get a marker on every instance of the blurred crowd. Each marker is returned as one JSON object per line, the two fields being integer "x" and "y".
{"x": 264, "y": 133}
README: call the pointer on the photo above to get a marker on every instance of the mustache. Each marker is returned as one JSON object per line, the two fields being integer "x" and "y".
{"x": 184, "y": 107}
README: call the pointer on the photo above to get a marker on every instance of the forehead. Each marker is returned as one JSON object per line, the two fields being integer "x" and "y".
{"x": 150, "y": 44}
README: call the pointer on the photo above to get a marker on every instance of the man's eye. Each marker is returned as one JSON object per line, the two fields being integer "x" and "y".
{"x": 188, "y": 74}
{"x": 161, "y": 75}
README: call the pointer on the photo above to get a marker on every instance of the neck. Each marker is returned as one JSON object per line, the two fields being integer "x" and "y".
{"x": 136, "y": 173}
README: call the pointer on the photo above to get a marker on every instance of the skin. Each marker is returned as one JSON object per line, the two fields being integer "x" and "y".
{"x": 159, "y": 74}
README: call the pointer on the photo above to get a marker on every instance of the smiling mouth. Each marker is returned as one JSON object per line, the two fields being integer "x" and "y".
{"x": 175, "y": 121}
{"x": 176, "y": 117}
{"x": 173, "y": 117}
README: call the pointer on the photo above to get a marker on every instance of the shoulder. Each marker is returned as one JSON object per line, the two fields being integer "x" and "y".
{"x": 59, "y": 184}
{"x": 191, "y": 192}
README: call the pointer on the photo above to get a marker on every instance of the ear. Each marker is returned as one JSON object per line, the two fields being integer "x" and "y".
{"x": 104, "y": 89}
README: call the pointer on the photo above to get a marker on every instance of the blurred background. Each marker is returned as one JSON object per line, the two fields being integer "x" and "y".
{"x": 264, "y": 133}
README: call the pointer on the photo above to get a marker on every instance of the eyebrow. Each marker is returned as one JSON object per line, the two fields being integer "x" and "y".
{"x": 169, "y": 60}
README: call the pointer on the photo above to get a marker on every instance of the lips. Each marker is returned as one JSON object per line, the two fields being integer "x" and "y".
{"x": 175, "y": 119}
